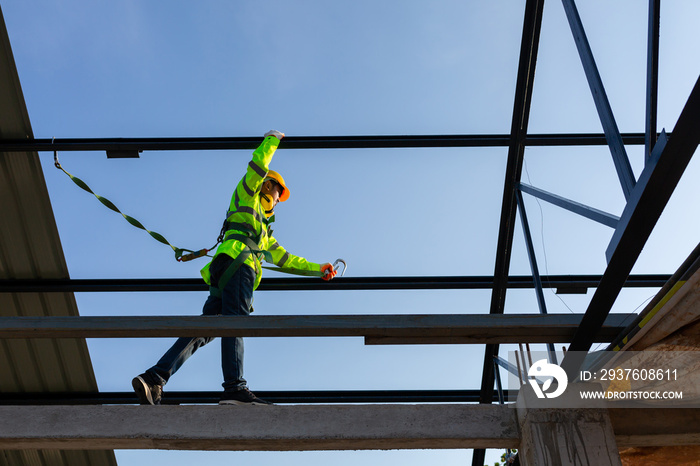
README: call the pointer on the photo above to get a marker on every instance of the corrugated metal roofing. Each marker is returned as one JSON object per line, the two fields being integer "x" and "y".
{"x": 30, "y": 248}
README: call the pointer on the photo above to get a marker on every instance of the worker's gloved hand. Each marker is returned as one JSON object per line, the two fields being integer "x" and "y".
{"x": 275, "y": 133}
{"x": 328, "y": 271}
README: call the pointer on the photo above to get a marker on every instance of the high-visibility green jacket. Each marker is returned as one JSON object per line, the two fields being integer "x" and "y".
{"x": 246, "y": 216}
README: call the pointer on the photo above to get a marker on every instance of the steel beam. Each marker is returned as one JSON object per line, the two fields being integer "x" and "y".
{"x": 634, "y": 199}
{"x": 612, "y": 133}
{"x": 652, "y": 199}
{"x": 478, "y": 282}
{"x": 575, "y": 207}
{"x": 274, "y": 396}
{"x": 677, "y": 280}
{"x": 462, "y": 328}
{"x": 652, "y": 77}
{"x": 508, "y": 366}
{"x": 132, "y": 146}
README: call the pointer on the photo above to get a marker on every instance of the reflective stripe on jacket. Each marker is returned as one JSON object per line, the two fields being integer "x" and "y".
{"x": 246, "y": 216}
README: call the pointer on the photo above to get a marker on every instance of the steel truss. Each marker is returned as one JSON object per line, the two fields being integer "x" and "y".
{"x": 667, "y": 156}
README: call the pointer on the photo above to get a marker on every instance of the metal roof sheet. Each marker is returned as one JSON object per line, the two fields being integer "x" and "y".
{"x": 30, "y": 248}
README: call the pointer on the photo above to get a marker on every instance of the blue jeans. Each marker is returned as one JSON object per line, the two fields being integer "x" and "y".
{"x": 236, "y": 299}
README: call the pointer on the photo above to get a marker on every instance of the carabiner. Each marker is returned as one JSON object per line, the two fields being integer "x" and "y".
{"x": 337, "y": 263}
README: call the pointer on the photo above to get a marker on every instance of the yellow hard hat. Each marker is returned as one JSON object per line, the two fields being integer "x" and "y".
{"x": 271, "y": 174}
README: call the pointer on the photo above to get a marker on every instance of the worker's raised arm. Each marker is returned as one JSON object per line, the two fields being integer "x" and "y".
{"x": 260, "y": 165}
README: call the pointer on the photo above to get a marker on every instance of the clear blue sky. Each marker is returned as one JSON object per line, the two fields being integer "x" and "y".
{"x": 217, "y": 68}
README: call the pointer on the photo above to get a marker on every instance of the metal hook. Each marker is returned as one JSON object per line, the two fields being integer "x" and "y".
{"x": 55, "y": 155}
{"x": 337, "y": 263}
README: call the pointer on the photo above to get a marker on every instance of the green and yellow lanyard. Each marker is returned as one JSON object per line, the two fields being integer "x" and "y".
{"x": 184, "y": 255}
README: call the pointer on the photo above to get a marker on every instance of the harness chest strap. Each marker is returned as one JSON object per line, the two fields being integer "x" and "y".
{"x": 250, "y": 248}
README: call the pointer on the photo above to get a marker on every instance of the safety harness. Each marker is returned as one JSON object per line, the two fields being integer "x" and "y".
{"x": 245, "y": 234}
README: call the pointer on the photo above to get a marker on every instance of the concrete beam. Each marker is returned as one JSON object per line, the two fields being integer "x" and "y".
{"x": 309, "y": 427}
{"x": 380, "y": 329}
{"x": 274, "y": 428}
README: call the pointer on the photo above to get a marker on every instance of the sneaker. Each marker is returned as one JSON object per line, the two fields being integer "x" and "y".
{"x": 242, "y": 397}
{"x": 148, "y": 394}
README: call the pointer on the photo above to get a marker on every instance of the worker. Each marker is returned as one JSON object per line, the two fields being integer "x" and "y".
{"x": 233, "y": 274}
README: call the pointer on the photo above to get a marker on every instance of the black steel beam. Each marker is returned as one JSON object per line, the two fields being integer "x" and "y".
{"x": 684, "y": 272}
{"x": 131, "y": 145}
{"x": 277, "y": 396}
{"x": 568, "y": 282}
{"x": 650, "y": 203}
{"x": 423, "y": 328}
{"x": 529, "y": 44}
{"x": 607, "y": 119}
{"x": 572, "y": 206}
{"x": 652, "y": 76}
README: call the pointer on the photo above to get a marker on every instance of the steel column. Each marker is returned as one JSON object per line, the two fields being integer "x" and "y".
{"x": 529, "y": 44}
